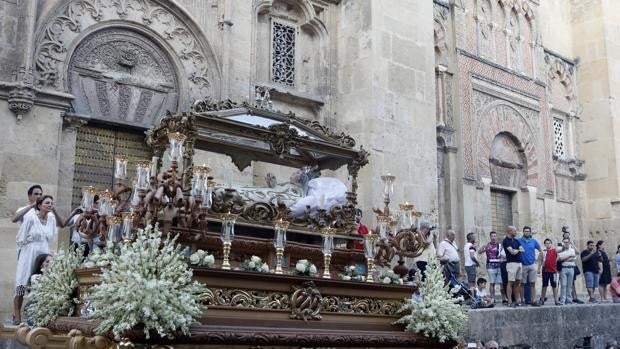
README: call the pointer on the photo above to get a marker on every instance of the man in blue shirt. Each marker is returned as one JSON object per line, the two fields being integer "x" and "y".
{"x": 514, "y": 250}
{"x": 528, "y": 260}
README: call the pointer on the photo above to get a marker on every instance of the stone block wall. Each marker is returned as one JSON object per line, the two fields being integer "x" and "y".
{"x": 546, "y": 327}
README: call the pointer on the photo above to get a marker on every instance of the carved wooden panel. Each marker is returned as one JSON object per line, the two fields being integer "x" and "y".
{"x": 95, "y": 149}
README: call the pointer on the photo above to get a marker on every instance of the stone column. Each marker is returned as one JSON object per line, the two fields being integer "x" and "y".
{"x": 22, "y": 95}
{"x": 66, "y": 169}
{"x": 386, "y": 97}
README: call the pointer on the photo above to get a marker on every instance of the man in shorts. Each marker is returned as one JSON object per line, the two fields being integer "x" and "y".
{"x": 528, "y": 260}
{"x": 590, "y": 259}
{"x": 514, "y": 251}
{"x": 492, "y": 250}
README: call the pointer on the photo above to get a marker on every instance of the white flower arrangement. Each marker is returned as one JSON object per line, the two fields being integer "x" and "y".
{"x": 202, "y": 259}
{"x": 149, "y": 284}
{"x": 390, "y": 277}
{"x": 352, "y": 273}
{"x": 51, "y": 295}
{"x": 99, "y": 258}
{"x": 255, "y": 263}
{"x": 305, "y": 267}
{"x": 436, "y": 313}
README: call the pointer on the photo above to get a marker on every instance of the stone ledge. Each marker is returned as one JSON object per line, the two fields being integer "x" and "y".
{"x": 547, "y": 326}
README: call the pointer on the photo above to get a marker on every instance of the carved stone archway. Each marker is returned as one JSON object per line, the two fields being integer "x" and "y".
{"x": 119, "y": 75}
{"x": 507, "y": 162}
{"x": 503, "y": 118}
{"x": 61, "y": 32}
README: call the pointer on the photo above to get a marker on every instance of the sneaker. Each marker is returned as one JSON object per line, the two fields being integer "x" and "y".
{"x": 536, "y": 304}
{"x": 513, "y": 305}
{"x": 593, "y": 301}
{"x": 558, "y": 303}
{"x": 577, "y": 301}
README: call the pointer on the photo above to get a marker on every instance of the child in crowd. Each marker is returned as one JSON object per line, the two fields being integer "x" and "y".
{"x": 548, "y": 263}
{"x": 481, "y": 291}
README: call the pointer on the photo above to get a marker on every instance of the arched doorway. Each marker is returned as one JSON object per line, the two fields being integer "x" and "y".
{"x": 508, "y": 167}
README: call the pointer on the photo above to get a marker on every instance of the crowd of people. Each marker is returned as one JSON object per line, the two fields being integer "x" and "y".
{"x": 515, "y": 265}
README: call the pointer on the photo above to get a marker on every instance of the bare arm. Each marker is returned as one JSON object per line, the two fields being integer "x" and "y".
{"x": 19, "y": 214}
{"x": 60, "y": 221}
{"x": 73, "y": 213}
{"x": 482, "y": 249}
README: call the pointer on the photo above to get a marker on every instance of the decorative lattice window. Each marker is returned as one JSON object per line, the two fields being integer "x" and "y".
{"x": 283, "y": 54}
{"x": 559, "y": 147}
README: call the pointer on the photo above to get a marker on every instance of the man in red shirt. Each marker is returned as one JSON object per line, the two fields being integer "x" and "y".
{"x": 548, "y": 262}
{"x": 361, "y": 230}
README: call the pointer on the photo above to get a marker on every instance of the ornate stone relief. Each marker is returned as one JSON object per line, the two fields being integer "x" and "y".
{"x": 496, "y": 116}
{"x": 563, "y": 72}
{"x": 440, "y": 24}
{"x": 120, "y": 75}
{"x": 78, "y": 16}
{"x": 21, "y": 97}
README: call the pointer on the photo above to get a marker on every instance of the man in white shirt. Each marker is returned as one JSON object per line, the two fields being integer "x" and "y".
{"x": 567, "y": 257}
{"x": 471, "y": 261}
{"x": 34, "y": 193}
{"x": 447, "y": 252}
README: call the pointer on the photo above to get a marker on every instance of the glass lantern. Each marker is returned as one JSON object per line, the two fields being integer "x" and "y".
{"x": 207, "y": 195}
{"x": 88, "y": 198}
{"x": 143, "y": 169}
{"x": 127, "y": 228}
{"x": 113, "y": 223}
{"x": 383, "y": 223}
{"x": 328, "y": 240}
{"x": 279, "y": 236}
{"x": 228, "y": 227}
{"x": 120, "y": 167}
{"x": 198, "y": 180}
{"x": 176, "y": 140}
{"x": 388, "y": 184}
{"x": 406, "y": 219}
{"x": 105, "y": 203}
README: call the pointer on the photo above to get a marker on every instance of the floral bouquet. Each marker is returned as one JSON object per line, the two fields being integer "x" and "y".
{"x": 352, "y": 273}
{"x": 435, "y": 313}
{"x": 255, "y": 264}
{"x": 390, "y": 277}
{"x": 202, "y": 259}
{"x": 52, "y": 295}
{"x": 148, "y": 284}
{"x": 305, "y": 267}
{"x": 99, "y": 258}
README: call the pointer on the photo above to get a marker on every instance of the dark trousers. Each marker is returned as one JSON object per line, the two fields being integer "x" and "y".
{"x": 422, "y": 268}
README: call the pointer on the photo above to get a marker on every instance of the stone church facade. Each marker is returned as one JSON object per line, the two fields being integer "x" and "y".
{"x": 480, "y": 120}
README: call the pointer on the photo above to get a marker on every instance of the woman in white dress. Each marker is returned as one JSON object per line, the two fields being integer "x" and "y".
{"x": 33, "y": 238}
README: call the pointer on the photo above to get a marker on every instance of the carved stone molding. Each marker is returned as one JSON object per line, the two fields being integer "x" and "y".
{"x": 75, "y": 17}
{"x": 22, "y": 95}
